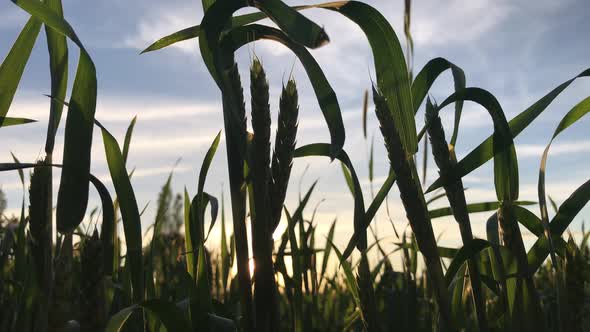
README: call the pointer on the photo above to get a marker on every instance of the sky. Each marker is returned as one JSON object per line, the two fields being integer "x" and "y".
{"x": 518, "y": 50}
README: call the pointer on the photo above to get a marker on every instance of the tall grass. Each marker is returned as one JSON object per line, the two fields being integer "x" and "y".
{"x": 89, "y": 280}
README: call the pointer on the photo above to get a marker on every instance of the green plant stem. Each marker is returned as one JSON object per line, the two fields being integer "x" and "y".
{"x": 265, "y": 289}
{"x": 235, "y": 137}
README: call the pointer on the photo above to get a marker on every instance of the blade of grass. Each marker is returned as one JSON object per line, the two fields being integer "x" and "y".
{"x": 13, "y": 66}
{"x": 129, "y": 212}
{"x": 575, "y": 114}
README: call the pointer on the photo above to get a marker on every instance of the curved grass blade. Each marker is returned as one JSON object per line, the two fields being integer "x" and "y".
{"x": 323, "y": 149}
{"x": 297, "y": 26}
{"x": 198, "y": 205}
{"x": 72, "y": 197}
{"x": 427, "y": 76}
{"x": 505, "y": 161}
{"x": 219, "y": 14}
{"x": 575, "y": 114}
{"x": 107, "y": 234}
{"x": 13, "y": 66}
{"x": 463, "y": 255}
{"x": 200, "y": 201}
{"x": 129, "y": 211}
{"x": 484, "y": 151}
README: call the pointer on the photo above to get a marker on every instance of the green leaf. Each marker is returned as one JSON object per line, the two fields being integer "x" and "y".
{"x": 129, "y": 211}
{"x": 472, "y": 208}
{"x": 7, "y": 122}
{"x": 58, "y": 67}
{"x": 295, "y": 25}
{"x": 13, "y": 66}
{"x": 327, "y": 250}
{"x": 107, "y": 234}
{"x": 322, "y": 149}
{"x": 575, "y": 114}
{"x": 365, "y": 111}
{"x": 127, "y": 141}
{"x": 426, "y": 77}
{"x": 203, "y": 300}
{"x": 484, "y": 151}
{"x": 188, "y": 240}
{"x": 565, "y": 215}
{"x": 170, "y": 316}
{"x": 201, "y": 200}
{"x": 207, "y": 163}
{"x": 194, "y": 31}
{"x": 347, "y": 177}
{"x": 72, "y": 198}
{"x": 390, "y": 65}
{"x": 198, "y": 206}
{"x": 466, "y": 252}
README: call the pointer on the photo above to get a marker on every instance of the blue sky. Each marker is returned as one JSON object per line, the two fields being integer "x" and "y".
{"x": 518, "y": 50}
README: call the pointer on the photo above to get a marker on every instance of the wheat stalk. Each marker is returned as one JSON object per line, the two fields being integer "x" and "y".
{"x": 265, "y": 288}
{"x": 414, "y": 204}
{"x": 282, "y": 159}
{"x": 41, "y": 238}
{"x": 93, "y": 314}
{"x": 446, "y": 161}
{"x": 234, "y": 117}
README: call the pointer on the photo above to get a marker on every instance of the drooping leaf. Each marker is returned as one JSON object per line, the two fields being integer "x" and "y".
{"x": 427, "y": 76}
{"x": 322, "y": 149}
{"x": 484, "y": 151}
{"x": 72, "y": 198}
{"x": 505, "y": 161}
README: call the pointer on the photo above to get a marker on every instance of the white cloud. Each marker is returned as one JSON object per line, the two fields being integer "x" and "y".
{"x": 151, "y": 29}
{"x": 122, "y": 109}
{"x": 439, "y": 23}
{"x": 556, "y": 149}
